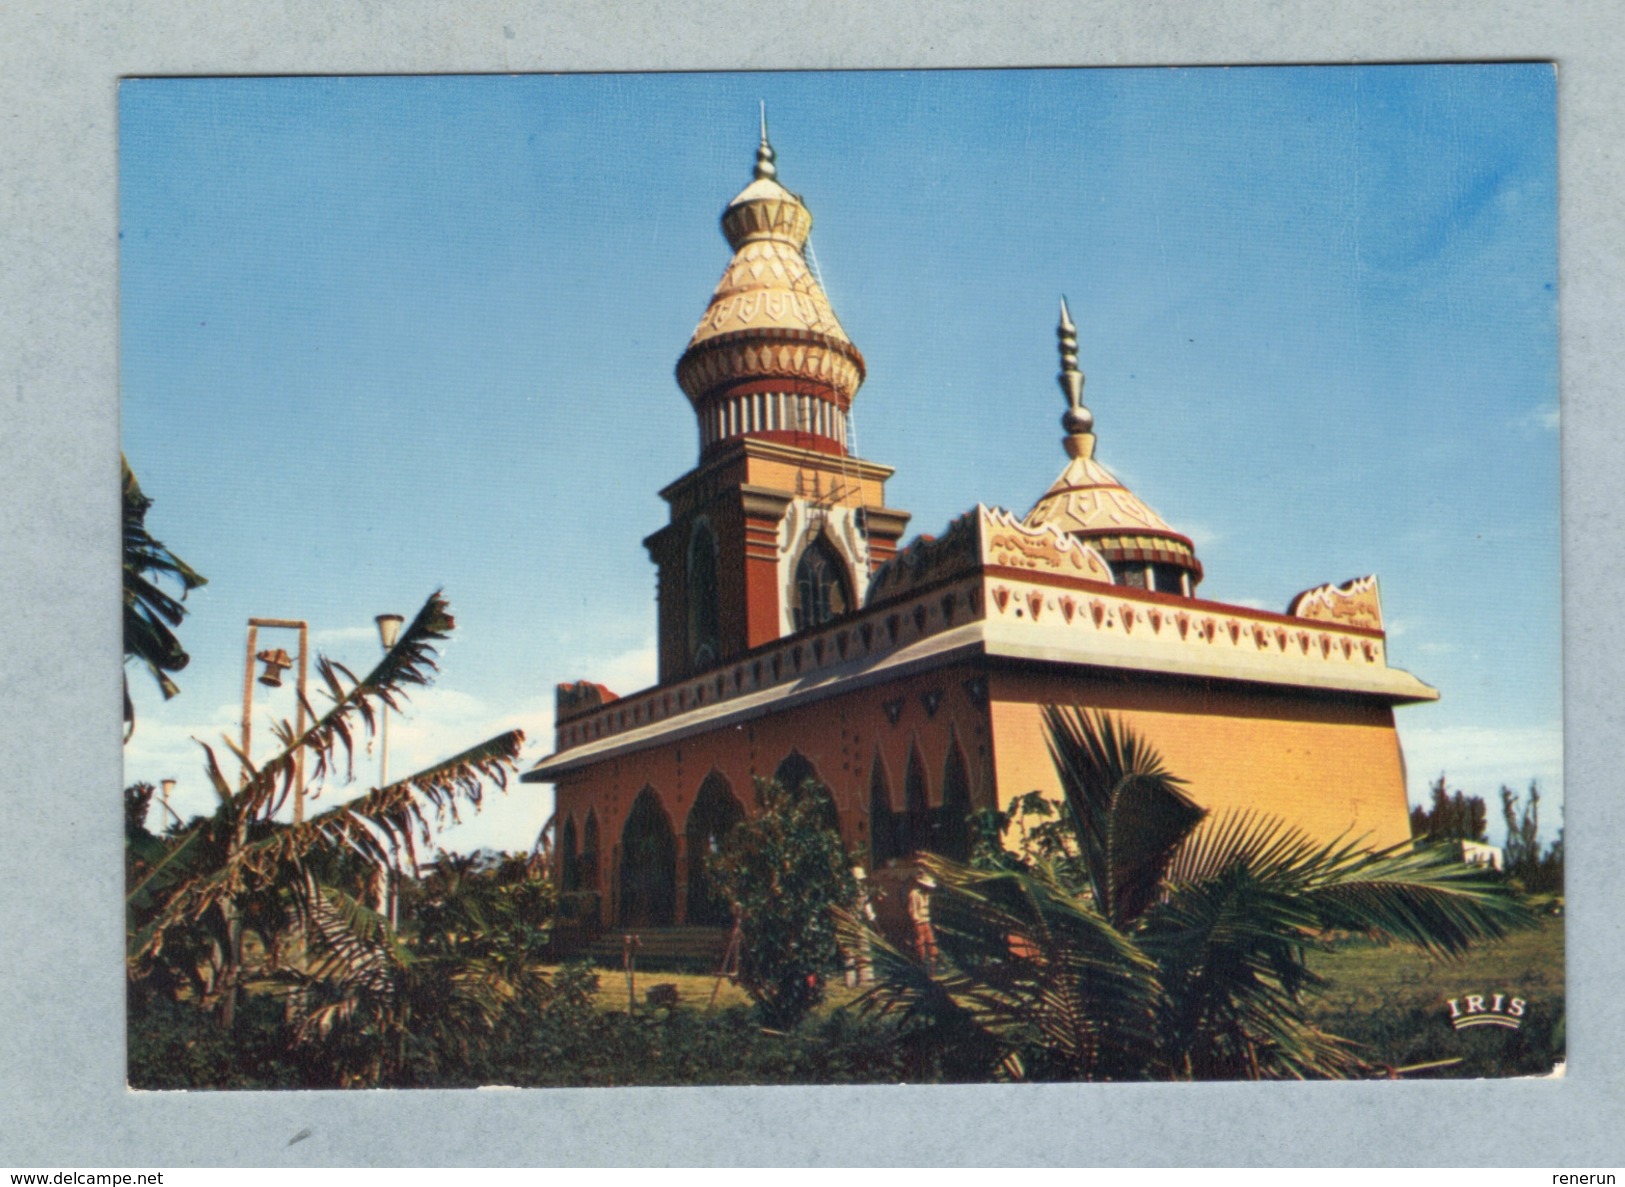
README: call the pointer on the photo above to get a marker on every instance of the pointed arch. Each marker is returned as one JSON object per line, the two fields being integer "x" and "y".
{"x": 704, "y": 621}
{"x": 796, "y": 770}
{"x": 915, "y": 833}
{"x": 569, "y": 866}
{"x": 716, "y": 810}
{"x": 590, "y": 848}
{"x": 883, "y": 822}
{"x": 648, "y": 865}
{"x": 822, "y": 589}
{"x": 951, "y": 837}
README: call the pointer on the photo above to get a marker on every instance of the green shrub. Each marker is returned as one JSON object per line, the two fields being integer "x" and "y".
{"x": 786, "y": 871}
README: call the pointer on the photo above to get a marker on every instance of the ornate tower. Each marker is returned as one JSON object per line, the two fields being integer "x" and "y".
{"x": 1089, "y": 503}
{"x": 779, "y": 525}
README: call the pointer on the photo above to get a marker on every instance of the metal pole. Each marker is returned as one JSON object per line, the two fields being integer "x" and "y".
{"x": 248, "y": 697}
{"x": 299, "y": 759}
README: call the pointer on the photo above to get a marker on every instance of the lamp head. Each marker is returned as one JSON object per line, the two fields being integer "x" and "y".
{"x": 389, "y": 629}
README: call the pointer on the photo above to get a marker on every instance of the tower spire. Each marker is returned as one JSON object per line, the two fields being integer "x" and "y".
{"x": 764, "y": 152}
{"x": 1078, "y": 421}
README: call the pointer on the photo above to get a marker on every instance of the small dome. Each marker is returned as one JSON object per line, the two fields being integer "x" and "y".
{"x": 1088, "y": 503}
{"x": 768, "y": 320}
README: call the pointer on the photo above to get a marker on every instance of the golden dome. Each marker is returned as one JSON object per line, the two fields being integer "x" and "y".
{"x": 769, "y": 319}
{"x": 1087, "y": 501}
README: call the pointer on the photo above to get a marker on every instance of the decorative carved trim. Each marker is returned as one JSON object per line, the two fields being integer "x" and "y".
{"x": 1354, "y": 603}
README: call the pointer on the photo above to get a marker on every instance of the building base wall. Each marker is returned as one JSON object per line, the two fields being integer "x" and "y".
{"x": 1330, "y": 766}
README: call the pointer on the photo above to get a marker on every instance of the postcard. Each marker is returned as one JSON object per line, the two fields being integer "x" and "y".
{"x": 834, "y": 578}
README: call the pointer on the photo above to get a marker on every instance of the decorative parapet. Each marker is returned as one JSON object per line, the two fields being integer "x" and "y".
{"x": 581, "y": 697}
{"x": 1131, "y": 629}
{"x": 993, "y": 586}
{"x": 843, "y": 648}
{"x": 1354, "y": 603}
{"x": 984, "y": 536}
{"x": 1010, "y": 543}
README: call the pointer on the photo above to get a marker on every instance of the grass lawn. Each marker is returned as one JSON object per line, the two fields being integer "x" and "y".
{"x": 694, "y": 991}
{"x": 1394, "y": 1001}
{"x": 1390, "y": 1000}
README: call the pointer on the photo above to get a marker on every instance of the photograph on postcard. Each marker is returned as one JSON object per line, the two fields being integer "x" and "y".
{"x": 1082, "y": 603}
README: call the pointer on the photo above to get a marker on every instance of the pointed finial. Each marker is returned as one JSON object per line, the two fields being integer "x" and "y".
{"x": 1077, "y": 420}
{"x": 764, "y": 153}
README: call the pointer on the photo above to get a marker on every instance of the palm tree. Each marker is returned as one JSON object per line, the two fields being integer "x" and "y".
{"x": 1183, "y": 954}
{"x": 150, "y": 613}
{"x": 190, "y": 891}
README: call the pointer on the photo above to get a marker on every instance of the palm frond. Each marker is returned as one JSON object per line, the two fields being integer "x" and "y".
{"x": 373, "y": 825}
{"x": 1248, "y": 896}
{"x": 1130, "y": 812}
{"x": 150, "y": 612}
{"x": 1034, "y": 981}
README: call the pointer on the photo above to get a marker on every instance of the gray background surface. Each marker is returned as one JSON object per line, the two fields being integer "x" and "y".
{"x": 62, "y": 1098}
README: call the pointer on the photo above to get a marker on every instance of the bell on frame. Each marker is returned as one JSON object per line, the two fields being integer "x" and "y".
{"x": 275, "y": 662}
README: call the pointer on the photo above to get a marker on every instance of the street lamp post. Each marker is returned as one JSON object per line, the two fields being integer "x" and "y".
{"x": 275, "y": 662}
{"x": 389, "y": 629}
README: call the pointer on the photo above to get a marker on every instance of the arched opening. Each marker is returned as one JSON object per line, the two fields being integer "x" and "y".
{"x": 796, "y": 770}
{"x": 883, "y": 822}
{"x": 588, "y": 864}
{"x": 951, "y": 837}
{"x": 714, "y": 813}
{"x": 704, "y": 632}
{"x": 915, "y": 833}
{"x": 648, "y": 865}
{"x": 823, "y": 589}
{"x": 569, "y": 867}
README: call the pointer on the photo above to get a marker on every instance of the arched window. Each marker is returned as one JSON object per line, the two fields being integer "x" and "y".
{"x": 648, "y": 865}
{"x": 822, "y": 588}
{"x": 915, "y": 833}
{"x": 569, "y": 869}
{"x": 797, "y": 770}
{"x": 713, "y": 815}
{"x": 703, "y": 630}
{"x": 588, "y": 865}
{"x": 883, "y": 846}
{"x": 951, "y": 837}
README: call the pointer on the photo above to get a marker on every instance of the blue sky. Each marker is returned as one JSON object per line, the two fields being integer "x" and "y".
{"x": 386, "y": 335}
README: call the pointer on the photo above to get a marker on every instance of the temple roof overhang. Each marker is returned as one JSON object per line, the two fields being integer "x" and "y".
{"x": 992, "y": 590}
{"x": 992, "y": 641}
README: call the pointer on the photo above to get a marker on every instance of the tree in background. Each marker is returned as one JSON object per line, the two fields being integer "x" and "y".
{"x": 1537, "y": 872}
{"x": 151, "y": 613}
{"x": 1450, "y": 817}
{"x": 193, "y": 891}
{"x": 786, "y": 872}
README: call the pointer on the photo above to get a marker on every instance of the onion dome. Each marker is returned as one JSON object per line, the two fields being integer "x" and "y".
{"x": 1090, "y": 504}
{"x": 769, "y": 358}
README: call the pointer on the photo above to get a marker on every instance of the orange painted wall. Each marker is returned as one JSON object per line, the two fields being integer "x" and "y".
{"x": 1330, "y": 766}
{"x": 840, "y": 736}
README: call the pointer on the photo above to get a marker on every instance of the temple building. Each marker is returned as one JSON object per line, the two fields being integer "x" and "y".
{"x": 796, "y": 637}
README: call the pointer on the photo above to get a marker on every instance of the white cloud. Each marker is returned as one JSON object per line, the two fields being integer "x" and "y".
{"x": 626, "y": 673}
{"x": 1201, "y": 534}
{"x": 434, "y": 724}
{"x": 1546, "y": 416}
{"x": 345, "y": 634}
